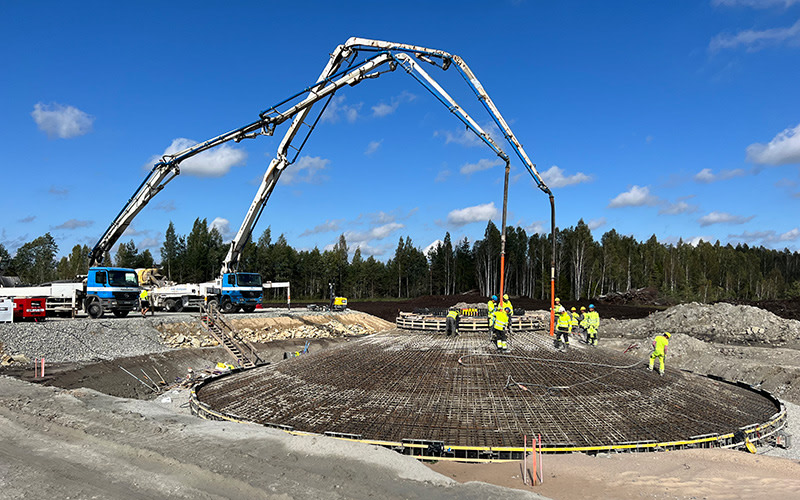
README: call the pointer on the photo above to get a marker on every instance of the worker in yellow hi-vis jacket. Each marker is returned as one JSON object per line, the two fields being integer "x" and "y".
{"x": 660, "y": 351}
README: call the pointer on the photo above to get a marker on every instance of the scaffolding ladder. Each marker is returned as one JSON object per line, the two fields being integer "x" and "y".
{"x": 215, "y": 323}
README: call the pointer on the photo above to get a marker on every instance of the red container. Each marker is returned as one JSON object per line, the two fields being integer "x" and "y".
{"x": 29, "y": 308}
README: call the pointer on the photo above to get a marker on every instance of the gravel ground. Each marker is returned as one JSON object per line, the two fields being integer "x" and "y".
{"x": 83, "y": 339}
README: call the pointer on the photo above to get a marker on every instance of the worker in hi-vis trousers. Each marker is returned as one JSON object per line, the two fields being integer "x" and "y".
{"x": 659, "y": 351}
{"x": 592, "y": 320}
{"x": 500, "y": 325}
{"x": 452, "y": 322}
{"x": 563, "y": 327}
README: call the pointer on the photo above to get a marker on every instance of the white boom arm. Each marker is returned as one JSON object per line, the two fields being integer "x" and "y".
{"x": 398, "y": 54}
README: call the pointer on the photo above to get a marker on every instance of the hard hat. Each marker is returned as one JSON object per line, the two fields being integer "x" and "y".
{"x": 494, "y": 297}
{"x": 505, "y": 296}
{"x": 558, "y": 300}
{"x": 190, "y": 369}
{"x": 507, "y": 309}
{"x": 573, "y": 309}
{"x": 591, "y": 306}
{"x": 667, "y": 334}
{"x": 583, "y": 308}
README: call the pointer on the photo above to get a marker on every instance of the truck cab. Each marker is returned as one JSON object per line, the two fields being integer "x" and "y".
{"x": 114, "y": 289}
{"x": 240, "y": 290}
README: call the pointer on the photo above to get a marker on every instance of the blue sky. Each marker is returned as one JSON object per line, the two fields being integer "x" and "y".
{"x": 679, "y": 119}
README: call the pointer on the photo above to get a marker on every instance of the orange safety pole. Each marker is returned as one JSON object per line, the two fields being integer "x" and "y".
{"x": 533, "y": 461}
{"x": 541, "y": 470}
{"x": 525, "y": 459}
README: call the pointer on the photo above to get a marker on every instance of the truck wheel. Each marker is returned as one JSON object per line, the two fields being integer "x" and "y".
{"x": 120, "y": 314}
{"x": 248, "y": 309}
{"x": 169, "y": 305}
{"x": 95, "y": 309}
{"x": 212, "y": 304}
{"x": 227, "y": 306}
{"x": 177, "y": 306}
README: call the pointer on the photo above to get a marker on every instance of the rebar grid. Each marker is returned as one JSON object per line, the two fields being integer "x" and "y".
{"x": 460, "y": 391}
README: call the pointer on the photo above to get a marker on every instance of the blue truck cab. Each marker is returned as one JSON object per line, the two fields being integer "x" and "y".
{"x": 240, "y": 291}
{"x": 114, "y": 289}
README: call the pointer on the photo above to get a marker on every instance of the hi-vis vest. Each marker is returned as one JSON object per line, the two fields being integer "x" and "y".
{"x": 143, "y": 295}
{"x": 507, "y": 303}
{"x": 491, "y": 306}
{"x": 592, "y": 321}
{"x": 452, "y": 314}
{"x": 660, "y": 343}
{"x": 564, "y": 321}
{"x": 500, "y": 319}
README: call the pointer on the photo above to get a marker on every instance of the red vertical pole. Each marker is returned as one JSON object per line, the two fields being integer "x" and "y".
{"x": 541, "y": 469}
{"x": 42, "y": 367}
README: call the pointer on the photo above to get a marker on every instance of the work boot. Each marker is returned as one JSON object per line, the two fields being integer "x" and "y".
{"x": 661, "y": 372}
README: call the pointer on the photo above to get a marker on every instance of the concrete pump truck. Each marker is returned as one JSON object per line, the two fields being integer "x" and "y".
{"x": 239, "y": 290}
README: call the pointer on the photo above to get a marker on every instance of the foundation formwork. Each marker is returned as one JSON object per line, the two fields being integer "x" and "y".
{"x": 458, "y": 398}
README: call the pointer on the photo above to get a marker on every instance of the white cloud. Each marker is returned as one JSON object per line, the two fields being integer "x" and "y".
{"x": 783, "y": 149}
{"x": 337, "y": 109}
{"x": 554, "y": 177}
{"x": 74, "y": 224}
{"x": 635, "y": 197}
{"x": 383, "y": 109}
{"x": 707, "y": 176}
{"x": 535, "y": 227}
{"x": 695, "y": 240}
{"x": 58, "y": 192}
{"x": 756, "y": 4}
{"x": 596, "y": 223}
{"x": 165, "y": 206}
{"x": 434, "y": 244}
{"x": 223, "y": 227}
{"x": 214, "y": 162}
{"x": 382, "y": 217}
{"x": 372, "y": 147}
{"x": 149, "y": 243}
{"x": 484, "y": 164}
{"x": 65, "y": 122}
{"x": 363, "y": 238}
{"x": 477, "y": 213}
{"x": 755, "y": 40}
{"x": 307, "y": 169}
{"x": 677, "y": 208}
{"x": 28, "y": 219}
{"x": 722, "y": 218}
{"x": 327, "y": 226}
{"x": 468, "y": 138}
{"x": 442, "y": 176}
{"x": 366, "y": 249}
{"x": 768, "y": 237}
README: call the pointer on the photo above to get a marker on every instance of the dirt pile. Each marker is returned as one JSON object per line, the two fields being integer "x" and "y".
{"x": 721, "y": 323}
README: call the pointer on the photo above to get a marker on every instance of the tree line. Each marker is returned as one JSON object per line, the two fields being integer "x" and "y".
{"x": 585, "y": 267}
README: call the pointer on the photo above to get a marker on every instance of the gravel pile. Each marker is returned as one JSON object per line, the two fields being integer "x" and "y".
{"x": 81, "y": 339}
{"x": 722, "y": 323}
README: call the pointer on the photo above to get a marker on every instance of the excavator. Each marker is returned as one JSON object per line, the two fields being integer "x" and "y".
{"x": 353, "y": 62}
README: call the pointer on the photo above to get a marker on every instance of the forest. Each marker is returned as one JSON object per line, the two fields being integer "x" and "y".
{"x": 585, "y": 267}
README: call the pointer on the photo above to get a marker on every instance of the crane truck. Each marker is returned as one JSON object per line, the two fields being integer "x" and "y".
{"x": 102, "y": 290}
{"x": 345, "y": 67}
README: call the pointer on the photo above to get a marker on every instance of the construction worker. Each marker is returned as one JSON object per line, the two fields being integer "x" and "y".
{"x": 507, "y": 304}
{"x": 452, "y": 322}
{"x": 582, "y": 324}
{"x": 492, "y": 307}
{"x": 563, "y": 327}
{"x": 500, "y": 325}
{"x": 574, "y": 321}
{"x": 144, "y": 302}
{"x": 592, "y": 325}
{"x": 660, "y": 351}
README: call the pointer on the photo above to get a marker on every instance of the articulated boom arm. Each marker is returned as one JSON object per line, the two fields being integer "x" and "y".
{"x": 298, "y": 107}
{"x": 396, "y": 54}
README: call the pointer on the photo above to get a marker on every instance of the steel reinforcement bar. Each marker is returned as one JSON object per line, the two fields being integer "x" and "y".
{"x": 439, "y": 450}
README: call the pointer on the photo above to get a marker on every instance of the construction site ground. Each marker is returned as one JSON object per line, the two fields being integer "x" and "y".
{"x": 89, "y": 430}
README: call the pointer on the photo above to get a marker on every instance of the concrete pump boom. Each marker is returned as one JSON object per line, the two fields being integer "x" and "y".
{"x": 399, "y": 54}
{"x": 330, "y": 80}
